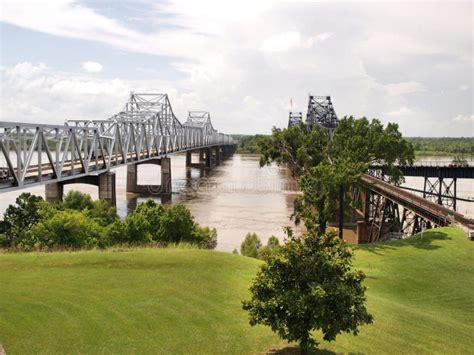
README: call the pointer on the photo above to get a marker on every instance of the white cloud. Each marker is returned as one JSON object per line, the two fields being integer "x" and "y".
{"x": 289, "y": 40}
{"x": 402, "y": 112}
{"x": 63, "y": 95}
{"x": 235, "y": 54}
{"x": 408, "y": 87}
{"x": 91, "y": 67}
{"x": 464, "y": 87}
{"x": 464, "y": 118}
{"x": 281, "y": 42}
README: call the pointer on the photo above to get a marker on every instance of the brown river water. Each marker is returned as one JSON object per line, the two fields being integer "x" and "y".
{"x": 235, "y": 197}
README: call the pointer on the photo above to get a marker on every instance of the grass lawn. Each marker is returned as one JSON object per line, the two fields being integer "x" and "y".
{"x": 421, "y": 293}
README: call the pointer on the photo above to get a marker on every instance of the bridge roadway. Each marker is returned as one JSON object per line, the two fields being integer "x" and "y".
{"x": 431, "y": 211}
{"x": 146, "y": 131}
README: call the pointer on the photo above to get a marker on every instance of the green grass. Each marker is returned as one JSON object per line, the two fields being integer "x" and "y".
{"x": 421, "y": 293}
{"x": 140, "y": 301}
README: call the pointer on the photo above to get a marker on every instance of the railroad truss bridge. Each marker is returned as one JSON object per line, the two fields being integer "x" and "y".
{"x": 384, "y": 210}
{"x": 86, "y": 151}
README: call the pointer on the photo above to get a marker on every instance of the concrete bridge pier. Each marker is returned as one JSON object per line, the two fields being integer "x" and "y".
{"x": 205, "y": 156}
{"x": 54, "y": 192}
{"x": 216, "y": 155}
{"x": 163, "y": 189}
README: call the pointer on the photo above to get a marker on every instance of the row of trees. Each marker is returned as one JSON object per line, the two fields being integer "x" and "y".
{"x": 81, "y": 223}
{"x": 443, "y": 145}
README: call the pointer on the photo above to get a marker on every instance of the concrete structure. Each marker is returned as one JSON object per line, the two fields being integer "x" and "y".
{"x": 164, "y": 187}
{"x": 105, "y": 182}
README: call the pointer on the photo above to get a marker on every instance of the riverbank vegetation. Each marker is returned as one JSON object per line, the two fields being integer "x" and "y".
{"x": 451, "y": 146}
{"x": 423, "y": 146}
{"x": 81, "y": 223}
{"x": 420, "y": 291}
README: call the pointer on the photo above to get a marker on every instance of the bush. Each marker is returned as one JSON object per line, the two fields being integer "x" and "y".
{"x": 68, "y": 229}
{"x": 251, "y": 246}
{"x": 76, "y": 200}
{"x": 20, "y": 217}
{"x": 273, "y": 245}
{"x": 205, "y": 237}
{"x": 176, "y": 225}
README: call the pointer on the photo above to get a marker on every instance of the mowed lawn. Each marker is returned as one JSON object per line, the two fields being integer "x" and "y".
{"x": 421, "y": 293}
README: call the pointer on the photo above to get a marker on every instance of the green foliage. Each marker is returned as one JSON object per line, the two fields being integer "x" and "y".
{"x": 69, "y": 229}
{"x": 460, "y": 161}
{"x": 443, "y": 145}
{"x": 18, "y": 218}
{"x": 251, "y": 246}
{"x": 247, "y": 144}
{"x": 322, "y": 165}
{"x": 309, "y": 285}
{"x": 273, "y": 245}
{"x": 60, "y": 225}
{"x": 76, "y": 200}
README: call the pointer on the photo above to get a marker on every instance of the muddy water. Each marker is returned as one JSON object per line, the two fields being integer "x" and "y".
{"x": 235, "y": 198}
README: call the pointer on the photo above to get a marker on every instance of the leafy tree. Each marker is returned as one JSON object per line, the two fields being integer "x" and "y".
{"x": 204, "y": 237}
{"x": 18, "y": 218}
{"x": 322, "y": 166}
{"x": 176, "y": 225}
{"x": 102, "y": 213}
{"x": 69, "y": 229}
{"x": 251, "y": 246}
{"x": 309, "y": 285}
{"x": 273, "y": 245}
{"x": 76, "y": 200}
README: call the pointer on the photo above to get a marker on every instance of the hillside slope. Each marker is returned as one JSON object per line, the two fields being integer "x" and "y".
{"x": 421, "y": 294}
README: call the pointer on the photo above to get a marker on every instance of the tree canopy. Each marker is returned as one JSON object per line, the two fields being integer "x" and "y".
{"x": 309, "y": 285}
{"x": 322, "y": 165}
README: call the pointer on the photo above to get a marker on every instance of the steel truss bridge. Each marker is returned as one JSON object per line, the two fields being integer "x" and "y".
{"x": 146, "y": 130}
{"x": 385, "y": 209}
{"x": 320, "y": 112}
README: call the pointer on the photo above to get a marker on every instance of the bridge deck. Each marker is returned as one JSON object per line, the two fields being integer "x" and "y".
{"x": 430, "y": 210}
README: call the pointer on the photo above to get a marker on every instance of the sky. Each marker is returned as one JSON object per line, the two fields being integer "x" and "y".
{"x": 245, "y": 61}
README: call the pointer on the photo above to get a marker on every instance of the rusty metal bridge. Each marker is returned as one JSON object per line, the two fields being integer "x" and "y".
{"x": 145, "y": 131}
{"x": 384, "y": 209}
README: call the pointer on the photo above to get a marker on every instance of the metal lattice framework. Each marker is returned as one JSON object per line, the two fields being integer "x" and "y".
{"x": 295, "y": 118}
{"x": 320, "y": 111}
{"x": 147, "y": 128}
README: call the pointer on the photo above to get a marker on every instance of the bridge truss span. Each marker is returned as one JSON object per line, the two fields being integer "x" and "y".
{"x": 146, "y": 129}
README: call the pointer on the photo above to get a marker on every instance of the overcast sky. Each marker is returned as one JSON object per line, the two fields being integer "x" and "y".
{"x": 406, "y": 62}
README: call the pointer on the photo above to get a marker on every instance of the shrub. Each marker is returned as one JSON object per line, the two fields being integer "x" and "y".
{"x": 68, "y": 229}
{"x": 176, "y": 225}
{"x": 251, "y": 246}
{"x": 271, "y": 248}
{"x": 76, "y": 200}
{"x": 18, "y": 218}
{"x": 205, "y": 237}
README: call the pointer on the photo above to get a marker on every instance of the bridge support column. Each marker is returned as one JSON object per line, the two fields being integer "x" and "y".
{"x": 132, "y": 178}
{"x": 163, "y": 188}
{"x": 202, "y": 159}
{"x": 208, "y": 156}
{"x": 107, "y": 189}
{"x": 217, "y": 153}
{"x": 166, "y": 176}
{"x": 54, "y": 192}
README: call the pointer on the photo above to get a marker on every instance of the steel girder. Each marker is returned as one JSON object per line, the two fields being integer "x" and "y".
{"x": 147, "y": 128}
{"x": 295, "y": 118}
{"x": 320, "y": 111}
